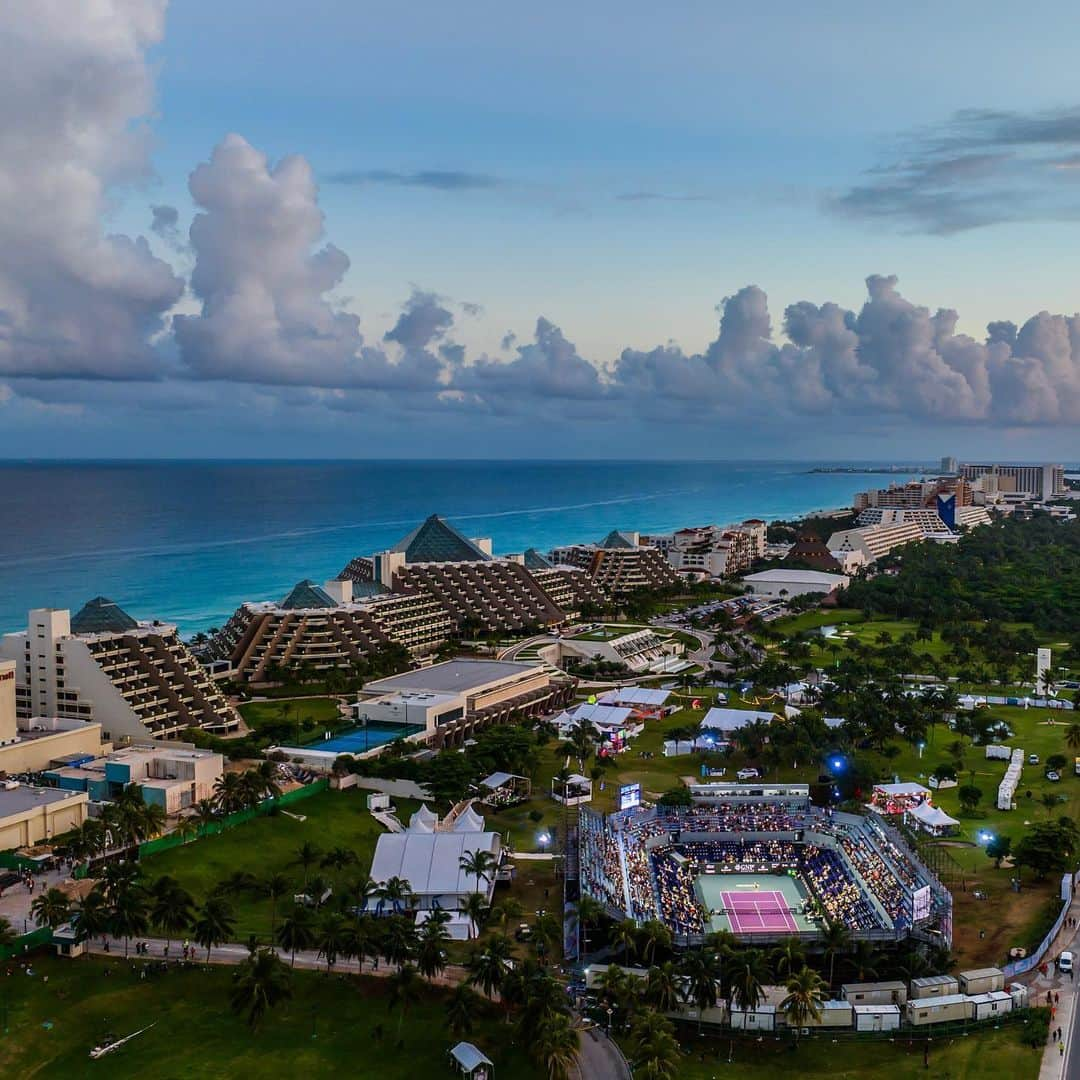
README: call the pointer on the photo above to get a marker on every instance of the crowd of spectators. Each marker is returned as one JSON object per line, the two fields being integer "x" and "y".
{"x": 826, "y": 873}
{"x": 639, "y": 877}
{"x": 600, "y": 866}
{"x": 895, "y": 899}
{"x": 679, "y": 907}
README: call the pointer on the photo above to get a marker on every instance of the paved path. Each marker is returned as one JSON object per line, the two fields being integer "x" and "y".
{"x": 1054, "y": 1065}
{"x": 600, "y": 1058}
{"x": 307, "y": 959}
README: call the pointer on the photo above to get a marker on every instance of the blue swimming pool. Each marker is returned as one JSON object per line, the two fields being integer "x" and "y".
{"x": 365, "y": 738}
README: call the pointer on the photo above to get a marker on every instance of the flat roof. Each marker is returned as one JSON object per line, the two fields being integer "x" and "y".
{"x": 794, "y": 574}
{"x": 453, "y": 676}
{"x": 19, "y": 800}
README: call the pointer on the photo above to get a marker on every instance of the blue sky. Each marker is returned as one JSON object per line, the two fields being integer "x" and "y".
{"x": 617, "y": 169}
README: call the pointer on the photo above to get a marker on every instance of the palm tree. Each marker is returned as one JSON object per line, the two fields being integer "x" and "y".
{"x": 475, "y": 907}
{"x": 487, "y": 967}
{"x": 171, "y": 907}
{"x": 333, "y": 938}
{"x": 405, "y": 986}
{"x": 625, "y": 938}
{"x": 431, "y": 953}
{"x": 556, "y": 1045}
{"x": 7, "y": 934}
{"x": 130, "y": 914}
{"x": 589, "y": 912}
{"x": 479, "y": 865}
{"x": 806, "y": 992}
{"x": 506, "y": 913}
{"x": 835, "y": 939}
{"x": 654, "y": 1049}
{"x": 662, "y": 988}
{"x": 297, "y": 931}
{"x": 863, "y": 961}
{"x": 214, "y": 923}
{"x": 274, "y": 887}
{"x": 338, "y": 858}
{"x": 395, "y": 890}
{"x": 93, "y": 918}
{"x": 460, "y": 1011}
{"x": 259, "y": 983}
{"x": 702, "y": 972}
{"x": 52, "y": 908}
{"x": 748, "y": 976}
{"x": 307, "y": 855}
{"x": 1072, "y": 736}
{"x": 229, "y": 792}
{"x": 364, "y": 939}
{"x": 547, "y": 932}
{"x": 653, "y": 933}
{"x": 399, "y": 940}
{"x": 788, "y": 958}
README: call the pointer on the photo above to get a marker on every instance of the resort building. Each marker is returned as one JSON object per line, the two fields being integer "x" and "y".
{"x": 322, "y": 628}
{"x": 135, "y": 679}
{"x": 931, "y": 523}
{"x": 641, "y": 649}
{"x": 447, "y": 703}
{"x": 1031, "y": 481}
{"x": 173, "y": 779}
{"x": 872, "y": 542}
{"x": 480, "y": 593}
{"x": 782, "y": 584}
{"x": 712, "y": 551}
{"x": 32, "y": 815}
{"x": 620, "y": 564}
{"x": 916, "y": 494}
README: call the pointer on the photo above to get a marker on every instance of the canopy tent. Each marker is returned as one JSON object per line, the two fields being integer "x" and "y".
{"x": 578, "y": 790}
{"x": 735, "y": 719}
{"x": 471, "y": 1061}
{"x": 424, "y": 820}
{"x": 431, "y": 863}
{"x": 932, "y": 818}
{"x": 600, "y": 716}
{"x": 898, "y": 798}
{"x": 640, "y": 697}
{"x": 505, "y": 789}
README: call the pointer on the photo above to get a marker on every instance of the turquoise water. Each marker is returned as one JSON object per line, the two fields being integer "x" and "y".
{"x": 365, "y": 738}
{"x": 187, "y": 542}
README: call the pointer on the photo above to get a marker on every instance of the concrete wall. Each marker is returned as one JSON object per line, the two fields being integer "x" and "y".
{"x": 42, "y": 822}
{"x": 33, "y": 755}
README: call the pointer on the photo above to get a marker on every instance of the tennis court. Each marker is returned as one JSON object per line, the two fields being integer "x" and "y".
{"x": 754, "y": 903}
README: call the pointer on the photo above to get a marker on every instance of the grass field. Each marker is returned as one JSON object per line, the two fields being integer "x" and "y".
{"x": 269, "y": 844}
{"x": 309, "y": 717}
{"x": 331, "y": 1027}
{"x": 986, "y": 1055}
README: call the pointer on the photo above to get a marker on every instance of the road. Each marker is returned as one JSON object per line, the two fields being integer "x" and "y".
{"x": 600, "y": 1058}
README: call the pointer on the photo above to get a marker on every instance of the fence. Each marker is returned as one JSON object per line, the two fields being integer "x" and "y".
{"x": 1019, "y": 967}
{"x": 230, "y": 821}
{"x": 36, "y": 938}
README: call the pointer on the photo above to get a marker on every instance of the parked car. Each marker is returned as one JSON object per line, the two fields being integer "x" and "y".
{"x": 1033, "y": 759}
{"x": 1065, "y": 961}
{"x": 748, "y": 774}
{"x": 1052, "y": 775}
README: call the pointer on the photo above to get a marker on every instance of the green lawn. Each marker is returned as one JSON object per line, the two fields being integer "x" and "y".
{"x": 331, "y": 1027}
{"x": 812, "y": 620}
{"x": 269, "y": 844}
{"x": 309, "y": 717}
{"x": 986, "y": 1055}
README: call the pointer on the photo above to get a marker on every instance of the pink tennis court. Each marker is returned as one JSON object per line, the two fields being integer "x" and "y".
{"x": 760, "y": 911}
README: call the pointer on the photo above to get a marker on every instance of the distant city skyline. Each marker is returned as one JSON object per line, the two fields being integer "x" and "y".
{"x": 568, "y": 232}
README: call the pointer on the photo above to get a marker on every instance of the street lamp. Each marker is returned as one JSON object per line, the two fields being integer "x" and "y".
{"x": 922, "y": 747}
{"x": 544, "y": 839}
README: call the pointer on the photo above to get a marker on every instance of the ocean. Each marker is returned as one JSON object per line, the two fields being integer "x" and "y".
{"x": 187, "y": 542}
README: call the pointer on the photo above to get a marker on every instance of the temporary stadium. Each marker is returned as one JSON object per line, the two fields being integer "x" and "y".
{"x": 762, "y": 863}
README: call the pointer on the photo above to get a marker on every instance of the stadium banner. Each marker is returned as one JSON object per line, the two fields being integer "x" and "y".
{"x": 920, "y": 904}
{"x": 629, "y": 796}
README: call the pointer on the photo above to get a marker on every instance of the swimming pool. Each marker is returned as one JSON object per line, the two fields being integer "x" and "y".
{"x": 361, "y": 739}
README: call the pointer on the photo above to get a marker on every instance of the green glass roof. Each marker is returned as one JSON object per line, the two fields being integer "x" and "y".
{"x": 306, "y": 594}
{"x": 535, "y": 561}
{"x": 100, "y": 616}
{"x": 615, "y": 539}
{"x": 437, "y": 540}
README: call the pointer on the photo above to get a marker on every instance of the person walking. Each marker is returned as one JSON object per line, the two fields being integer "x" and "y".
{"x": 1061, "y": 1049}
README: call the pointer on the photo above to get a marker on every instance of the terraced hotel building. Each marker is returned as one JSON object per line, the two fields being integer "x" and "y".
{"x": 136, "y": 679}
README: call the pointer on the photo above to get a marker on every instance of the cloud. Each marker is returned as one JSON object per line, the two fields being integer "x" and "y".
{"x": 981, "y": 167}
{"x": 892, "y": 359}
{"x": 76, "y": 90}
{"x": 439, "y": 180}
{"x": 164, "y": 222}
{"x": 265, "y": 283}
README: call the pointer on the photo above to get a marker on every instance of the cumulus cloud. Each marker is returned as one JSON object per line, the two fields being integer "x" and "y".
{"x": 73, "y": 300}
{"x": 437, "y": 179}
{"x": 892, "y": 358}
{"x": 164, "y": 222}
{"x": 981, "y": 167}
{"x": 265, "y": 283}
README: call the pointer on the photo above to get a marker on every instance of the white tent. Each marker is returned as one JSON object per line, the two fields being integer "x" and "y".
{"x": 932, "y": 818}
{"x": 734, "y": 719}
{"x": 638, "y": 696}
{"x": 424, "y": 820}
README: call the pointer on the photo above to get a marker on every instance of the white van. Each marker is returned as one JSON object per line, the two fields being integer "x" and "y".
{"x": 1065, "y": 962}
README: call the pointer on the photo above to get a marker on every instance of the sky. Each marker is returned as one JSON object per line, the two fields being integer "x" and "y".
{"x": 569, "y": 230}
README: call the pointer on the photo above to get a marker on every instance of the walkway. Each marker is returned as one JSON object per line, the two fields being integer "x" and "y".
{"x": 600, "y": 1058}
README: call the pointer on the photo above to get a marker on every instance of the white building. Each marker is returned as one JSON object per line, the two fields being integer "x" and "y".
{"x": 783, "y": 582}
{"x": 428, "y": 856}
{"x": 134, "y": 678}
{"x": 1032, "y": 481}
{"x": 874, "y": 541}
